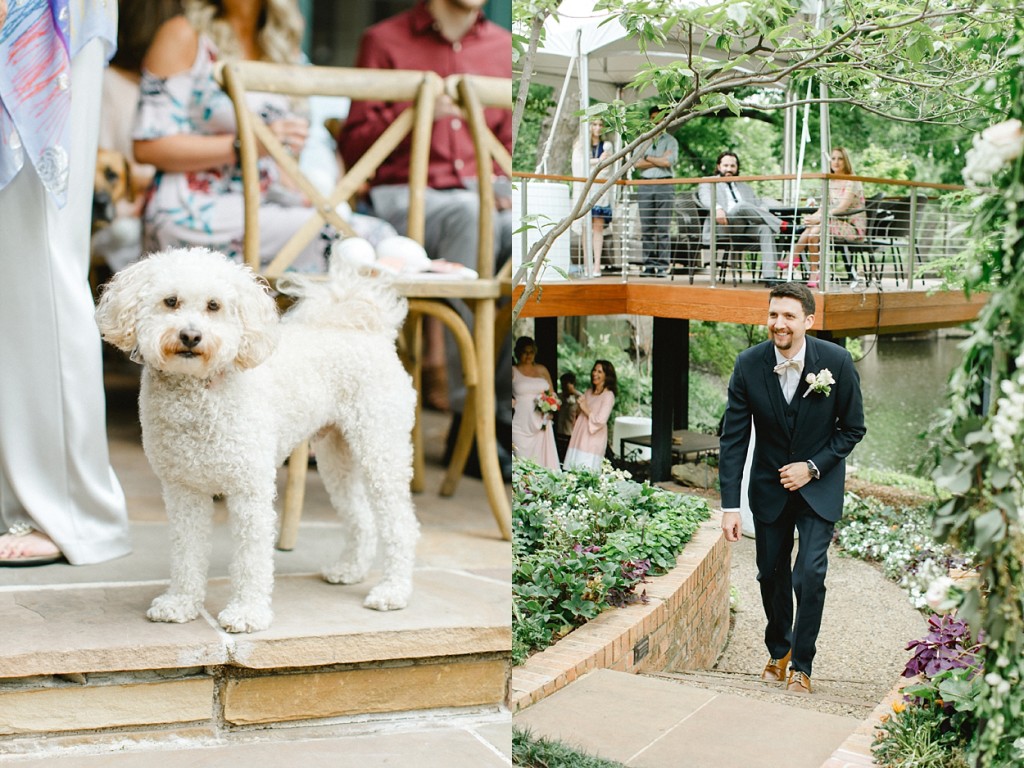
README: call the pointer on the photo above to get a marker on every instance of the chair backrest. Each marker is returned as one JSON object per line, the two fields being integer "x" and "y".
{"x": 899, "y": 227}
{"x": 689, "y": 216}
{"x": 474, "y": 93}
{"x": 421, "y": 89}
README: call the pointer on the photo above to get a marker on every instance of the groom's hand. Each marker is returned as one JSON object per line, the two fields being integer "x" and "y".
{"x": 795, "y": 476}
{"x": 731, "y": 525}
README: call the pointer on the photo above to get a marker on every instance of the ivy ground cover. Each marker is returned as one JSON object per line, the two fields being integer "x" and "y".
{"x": 583, "y": 542}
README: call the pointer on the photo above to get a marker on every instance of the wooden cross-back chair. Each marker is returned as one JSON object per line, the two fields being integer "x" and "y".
{"x": 426, "y": 297}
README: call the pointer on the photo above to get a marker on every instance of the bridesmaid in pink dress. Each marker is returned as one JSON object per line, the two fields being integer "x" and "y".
{"x": 589, "y": 439}
{"x": 533, "y": 433}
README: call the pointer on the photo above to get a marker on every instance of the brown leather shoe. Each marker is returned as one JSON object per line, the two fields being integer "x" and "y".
{"x": 799, "y": 682}
{"x": 775, "y": 669}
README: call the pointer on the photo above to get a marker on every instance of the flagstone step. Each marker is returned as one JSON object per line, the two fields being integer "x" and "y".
{"x": 87, "y": 661}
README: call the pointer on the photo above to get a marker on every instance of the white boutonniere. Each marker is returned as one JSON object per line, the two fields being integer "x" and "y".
{"x": 821, "y": 381}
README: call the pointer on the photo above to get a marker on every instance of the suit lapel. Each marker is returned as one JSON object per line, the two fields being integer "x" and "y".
{"x": 810, "y": 366}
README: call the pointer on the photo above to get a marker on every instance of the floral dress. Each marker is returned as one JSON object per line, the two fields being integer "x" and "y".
{"x": 854, "y": 227}
{"x": 533, "y": 433}
{"x": 589, "y": 440}
{"x": 205, "y": 208}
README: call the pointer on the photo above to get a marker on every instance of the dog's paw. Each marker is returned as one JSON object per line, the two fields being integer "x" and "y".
{"x": 175, "y": 608}
{"x": 388, "y": 597}
{"x": 243, "y": 617}
{"x": 344, "y": 572}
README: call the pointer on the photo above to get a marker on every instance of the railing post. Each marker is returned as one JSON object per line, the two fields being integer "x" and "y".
{"x": 824, "y": 242}
{"x": 713, "y": 242}
{"x": 912, "y": 239}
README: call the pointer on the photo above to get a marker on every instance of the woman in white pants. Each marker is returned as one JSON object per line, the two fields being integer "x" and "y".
{"x": 59, "y": 497}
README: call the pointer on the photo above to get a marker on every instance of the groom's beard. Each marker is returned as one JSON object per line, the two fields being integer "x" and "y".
{"x": 782, "y": 342}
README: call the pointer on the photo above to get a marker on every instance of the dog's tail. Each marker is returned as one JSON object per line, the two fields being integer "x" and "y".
{"x": 351, "y": 298}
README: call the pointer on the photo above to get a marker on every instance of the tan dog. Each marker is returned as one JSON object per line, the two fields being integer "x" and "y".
{"x": 112, "y": 184}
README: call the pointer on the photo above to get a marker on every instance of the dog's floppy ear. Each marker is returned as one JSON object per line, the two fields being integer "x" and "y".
{"x": 258, "y": 312}
{"x": 118, "y": 309}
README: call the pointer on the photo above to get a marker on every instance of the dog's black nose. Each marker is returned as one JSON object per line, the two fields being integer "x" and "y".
{"x": 190, "y": 338}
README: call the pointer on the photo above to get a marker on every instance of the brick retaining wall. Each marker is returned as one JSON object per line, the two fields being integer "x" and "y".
{"x": 684, "y": 626}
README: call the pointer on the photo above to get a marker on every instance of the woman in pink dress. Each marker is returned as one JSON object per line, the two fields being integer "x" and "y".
{"x": 533, "y": 432}
{"x": 589, "y": 439}
{"x": 843, "y": 195}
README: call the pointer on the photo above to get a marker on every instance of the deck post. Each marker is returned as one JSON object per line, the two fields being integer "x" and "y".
{"x": 670, "y": 355}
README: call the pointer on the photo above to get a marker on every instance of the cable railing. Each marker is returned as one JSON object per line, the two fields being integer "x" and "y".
{"x": 895, "y": 239}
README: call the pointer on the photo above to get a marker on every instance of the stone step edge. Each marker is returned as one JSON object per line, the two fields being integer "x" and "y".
{"x": 224, "y": 699}
{"x": 616, "y": 638}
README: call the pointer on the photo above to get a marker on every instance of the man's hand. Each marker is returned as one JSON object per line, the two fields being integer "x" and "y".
{"x": 3, "y": 12}
{"x": 732, "y": 525}
{"x": 795, "y": 476}
{"x": 720, "y": 216}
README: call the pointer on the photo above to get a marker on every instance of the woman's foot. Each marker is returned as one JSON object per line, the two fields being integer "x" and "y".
{"x": 812, "y": 281}
{"x": 23, "y": 545}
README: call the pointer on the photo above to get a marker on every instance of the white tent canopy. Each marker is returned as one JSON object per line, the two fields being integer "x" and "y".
{"x": 594, "y": 47}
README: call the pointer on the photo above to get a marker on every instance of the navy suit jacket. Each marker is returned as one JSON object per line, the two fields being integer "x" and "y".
{"x": 826, "y": 430}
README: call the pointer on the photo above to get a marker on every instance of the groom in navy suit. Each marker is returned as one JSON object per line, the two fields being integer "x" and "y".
{"x": 804, "y": 431}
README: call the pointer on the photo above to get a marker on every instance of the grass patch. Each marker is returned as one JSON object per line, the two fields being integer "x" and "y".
{"x": 538, "y": 752}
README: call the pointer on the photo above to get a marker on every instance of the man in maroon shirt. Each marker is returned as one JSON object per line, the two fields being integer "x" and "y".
{"x": 448, "y": 37}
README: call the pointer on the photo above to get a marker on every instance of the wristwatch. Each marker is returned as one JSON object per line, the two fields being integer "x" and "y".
{"x": 813, "y": 470}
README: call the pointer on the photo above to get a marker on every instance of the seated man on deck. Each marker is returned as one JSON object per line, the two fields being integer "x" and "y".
{"x": 738, "y": 212}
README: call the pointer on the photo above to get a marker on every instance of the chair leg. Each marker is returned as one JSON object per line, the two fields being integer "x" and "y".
{"x": 411, "y": 339}
{"x": 483, "y": 402}
{"x": 294, "y": 497}
{"x": 463, "y": 445}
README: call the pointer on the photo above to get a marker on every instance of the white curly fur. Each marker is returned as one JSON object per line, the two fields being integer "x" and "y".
{"x": 229, "y": 389}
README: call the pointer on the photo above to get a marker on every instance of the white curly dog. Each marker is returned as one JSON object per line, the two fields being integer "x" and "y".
{"x": 229, "y": 388}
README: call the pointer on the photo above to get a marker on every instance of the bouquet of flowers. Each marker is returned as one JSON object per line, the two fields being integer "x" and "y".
{"x": 547, "y": 403}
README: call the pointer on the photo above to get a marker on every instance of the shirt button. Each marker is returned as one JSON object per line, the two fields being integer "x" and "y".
{"x": 63, "y": 81}
{"x": 458, "y": 165}
{"x": 456, "y": 124}
{"x": 456, "y": 46}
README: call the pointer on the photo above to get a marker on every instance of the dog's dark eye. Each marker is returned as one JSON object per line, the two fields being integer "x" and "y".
{"x": 171, "y": 301}
{"x": 213, "y": 305}
{"x": 110, "y": 175}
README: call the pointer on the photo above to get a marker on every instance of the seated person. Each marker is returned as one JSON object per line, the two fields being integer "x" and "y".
{"x": 739, "y": 212}
{"x": 843, "y": 195}
{"x": 186, "y": 128}
{"x": 424, "y": 38}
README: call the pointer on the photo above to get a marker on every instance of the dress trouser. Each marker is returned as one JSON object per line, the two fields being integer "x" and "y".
{"x": 655, "y": 207}
{"x": 748, "y": 220}
{"x": 451, "y": 234}
{"x": 780, "y": 578}
{"x": 55, "y": 471}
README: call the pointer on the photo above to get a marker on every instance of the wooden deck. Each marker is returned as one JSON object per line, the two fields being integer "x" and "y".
{"x": 841, "y": 311}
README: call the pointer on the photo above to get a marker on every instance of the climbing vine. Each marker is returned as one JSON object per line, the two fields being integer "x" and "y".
{"x": 982, "y": 433}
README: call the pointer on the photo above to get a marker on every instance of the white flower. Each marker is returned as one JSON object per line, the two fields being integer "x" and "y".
{"x": 1006, "y": 139}
{"x": 993, "y": 148}
{"x": 937, "y": 595}
{"x": 821, "y": 382}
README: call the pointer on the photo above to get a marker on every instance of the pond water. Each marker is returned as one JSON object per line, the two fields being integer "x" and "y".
{"x": 903, "y": 381}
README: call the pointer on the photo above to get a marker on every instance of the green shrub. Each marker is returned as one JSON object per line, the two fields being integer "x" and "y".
{"x": 583, "y": 542}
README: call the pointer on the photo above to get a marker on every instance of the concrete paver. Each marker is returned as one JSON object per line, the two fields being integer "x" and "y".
{"x": 483, "y": 744}
{"x": 654, "y": 723}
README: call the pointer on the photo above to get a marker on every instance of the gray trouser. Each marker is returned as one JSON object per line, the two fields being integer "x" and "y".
{"x": 451, "y": 234}
{"x": 655, "y": 216}
{"x": 746, "y": 222}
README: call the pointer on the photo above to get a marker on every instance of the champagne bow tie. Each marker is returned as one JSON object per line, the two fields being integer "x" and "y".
{"x": 797, "y": 364}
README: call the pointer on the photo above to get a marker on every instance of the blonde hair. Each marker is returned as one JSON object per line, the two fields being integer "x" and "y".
{"x": 278, "y": 34}
{"x": 846, "y": 160}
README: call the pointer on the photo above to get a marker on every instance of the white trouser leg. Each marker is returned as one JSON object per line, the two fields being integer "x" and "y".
{"x": 54, "y": 463}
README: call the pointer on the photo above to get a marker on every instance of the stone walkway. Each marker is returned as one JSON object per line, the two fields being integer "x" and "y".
{"x": 726, "y": 717}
